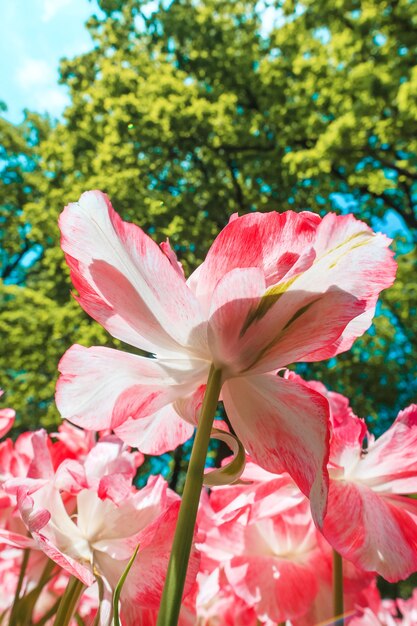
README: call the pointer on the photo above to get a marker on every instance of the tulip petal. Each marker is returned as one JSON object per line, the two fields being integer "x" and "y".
{"x": 390, "y": 464}
{"x": 272, "y": 242}
{"x": 57, "y": 538}
{"x": 156, "y": 434}
{"x": 300, "y": 323}
{"x": 351, "y": 256}
{"x": 101, "y": 388}
{"x": 312, "y": 310}
{"x": 378, "y": 533}
{"x": 284, "y": 427}
{"x": 7, "y": 417}
{"x": 251, "y": 328}
{"x": 235, "y": 296}
{"x": 143, "y": 586}
{"x": 288, "y": 588}
{"x": 124, "y": 280}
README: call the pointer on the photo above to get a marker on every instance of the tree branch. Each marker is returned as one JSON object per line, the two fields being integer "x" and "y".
{"x": 409, "y": 218}
{"x": 12, "y": 265}
{"x": 238, "y": 190}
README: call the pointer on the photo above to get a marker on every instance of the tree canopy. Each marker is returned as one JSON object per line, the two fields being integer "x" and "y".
{"x": 189, "y": 111}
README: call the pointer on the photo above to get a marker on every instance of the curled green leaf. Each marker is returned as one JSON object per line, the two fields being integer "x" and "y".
{"x": 232, "y": 471}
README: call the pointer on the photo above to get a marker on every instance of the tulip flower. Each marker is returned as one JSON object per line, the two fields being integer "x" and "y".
{"x": 370, "y": 520}
{"x": 274, "y": 289}
{"x": 261, "y": 506}
{"x": 272, "y": 563}
{"x": 88, "y": 518}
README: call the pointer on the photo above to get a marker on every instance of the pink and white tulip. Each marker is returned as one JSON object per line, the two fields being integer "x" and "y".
{"x": 272, "y": 502}
{"x": 370, "y": 520}
{"x": 271, "y": 562}
{"x": 274, "y": 289}
{"x": 88, "y": 518}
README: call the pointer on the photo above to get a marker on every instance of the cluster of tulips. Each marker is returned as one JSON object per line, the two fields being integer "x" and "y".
{"x": 295, "y": 526}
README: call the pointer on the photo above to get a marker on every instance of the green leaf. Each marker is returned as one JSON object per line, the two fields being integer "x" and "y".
{"x": 119, "y": 586}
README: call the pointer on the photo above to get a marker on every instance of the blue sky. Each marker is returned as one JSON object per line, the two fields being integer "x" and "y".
{"x": 34, "y": 36}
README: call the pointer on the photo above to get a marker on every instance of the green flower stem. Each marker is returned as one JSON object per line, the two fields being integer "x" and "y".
{"x": 49, "y": 614}
{"x": 25, "y": 559}
{"x": 69, "y": 602}
{"x": 181, "y": 547}
{"x": 26, "y": 604}
{"x": 338, "y": 607}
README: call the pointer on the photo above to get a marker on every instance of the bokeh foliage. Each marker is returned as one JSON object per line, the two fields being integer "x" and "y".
{"x": 197, "y": 109}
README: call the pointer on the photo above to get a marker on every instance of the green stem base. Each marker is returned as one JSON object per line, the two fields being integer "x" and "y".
{"x": 69, "y": 602}
{"x": 181, "y": 547}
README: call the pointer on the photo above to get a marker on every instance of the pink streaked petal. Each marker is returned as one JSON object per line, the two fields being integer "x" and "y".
{"x": 255, "y": 240}
{"x": 114, "y": 488}
{"x": 253, "y": 329}
{"x": 347, "y": 431}
{"x": 65, "y": 561}
{"x": 390, "y": 464}
{"x": 275, "y": 497}
{"x": 31, "y": 485}
{"x": 41, "y": 464}
{"x": 267, "y": 494}
{"x": 359, "y": 590}
{"x": 157, "y": 433}
{"x": 7, "y": 417}
{"x": 223, "y": 533}
{"x": 342, "y": 240}
{"x": 352, "y": 263}
{"x": 45, "y": 506}
{"x": 108, "y": 457}
{"x": 154, "y": 498}
{"x": 70, "y": 476}
{"x": 108, "y": 525}
{"x": 125, "y": 281}
{"x": 15, "y": 539}
{"x": 356, "y": 328}
{"x": 358, "y": 261}
{"x": 302, "y": 322}
{"x": 284, "y": 427}
{"x": 35, "y": 519}
{"x": 279, "y": 589}
{"x": 376, "y": 533}
{"x": 143, "y": 586}
{"x": 237, "y": 293}
{"x": 100, "y": 388}
{"x": 189, "y": 407}
{"x": 172, "y": 257}
{"x": 292, "y": 264}
{"x": 118, "y": 528}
